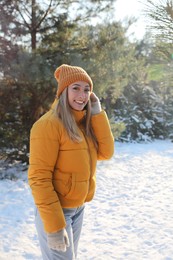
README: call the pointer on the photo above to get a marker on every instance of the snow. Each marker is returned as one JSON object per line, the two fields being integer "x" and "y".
{"x": 130, "y": 217}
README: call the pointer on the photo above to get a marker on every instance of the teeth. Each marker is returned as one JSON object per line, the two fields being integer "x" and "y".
{"x": 79, "y": 102}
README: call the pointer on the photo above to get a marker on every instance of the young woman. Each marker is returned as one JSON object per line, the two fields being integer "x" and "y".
{"x": 65, "y": 145}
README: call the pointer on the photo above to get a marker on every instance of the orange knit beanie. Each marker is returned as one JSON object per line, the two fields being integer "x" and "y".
{"x": 66, "y": 75}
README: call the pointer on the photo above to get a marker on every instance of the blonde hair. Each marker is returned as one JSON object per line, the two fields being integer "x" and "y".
{"x": 64, "y": 112}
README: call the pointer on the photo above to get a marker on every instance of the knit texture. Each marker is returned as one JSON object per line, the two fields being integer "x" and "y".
{"x": 66, "y": 75}
{"x": 58, "y": 241}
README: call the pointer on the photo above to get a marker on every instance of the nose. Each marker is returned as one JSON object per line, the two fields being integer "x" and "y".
{"x": 82, "y": 94}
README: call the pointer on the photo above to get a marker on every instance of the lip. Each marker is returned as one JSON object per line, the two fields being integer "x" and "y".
{"x": 79, "y": 102}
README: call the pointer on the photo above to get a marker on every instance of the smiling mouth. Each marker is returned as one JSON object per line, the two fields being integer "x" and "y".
{"x": 79, "y": 102}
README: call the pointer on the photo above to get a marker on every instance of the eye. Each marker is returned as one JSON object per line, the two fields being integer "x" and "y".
{"x": 76, "y": 88}
{"x": 87, "y": 90}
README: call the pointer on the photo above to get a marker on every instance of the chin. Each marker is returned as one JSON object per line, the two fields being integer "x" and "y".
{"x": 79, "y": 108}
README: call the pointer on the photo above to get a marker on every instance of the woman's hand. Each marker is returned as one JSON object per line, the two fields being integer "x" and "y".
{"x": 95, "y": 104}
{"x": 58, "y": 241}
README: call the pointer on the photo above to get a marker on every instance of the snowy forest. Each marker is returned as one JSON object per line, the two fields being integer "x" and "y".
{"x": 133, "y": 78}
{"x": 130, "y": 216}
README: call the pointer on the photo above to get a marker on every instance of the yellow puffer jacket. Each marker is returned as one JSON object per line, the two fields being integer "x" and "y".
{"x": 62, "y": 173}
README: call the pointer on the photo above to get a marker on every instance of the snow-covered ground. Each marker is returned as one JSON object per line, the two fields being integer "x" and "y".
{"x": 130, "y": 218}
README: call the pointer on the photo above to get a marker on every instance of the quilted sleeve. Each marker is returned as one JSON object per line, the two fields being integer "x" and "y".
{"x": 102, "y": 130}
{"x": 44, "y": 147}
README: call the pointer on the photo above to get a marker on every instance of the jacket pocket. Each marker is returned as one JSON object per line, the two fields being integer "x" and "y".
{"x": 68, "y": 187}
{"x": 63, "y": 183}
{"x": 79, "y": 190}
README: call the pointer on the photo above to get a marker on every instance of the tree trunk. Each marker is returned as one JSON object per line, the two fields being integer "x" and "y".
{"x": 33, "y": 30}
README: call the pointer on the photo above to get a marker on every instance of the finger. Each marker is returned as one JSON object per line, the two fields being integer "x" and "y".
{"x": 67, "y": 242}
{"x": 93, "y": 97}
{"x": 61, "y": 247}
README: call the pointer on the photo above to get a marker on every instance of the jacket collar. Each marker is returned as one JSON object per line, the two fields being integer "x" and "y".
{"x": 78, "y": 115}
{"x": 54, "y": 104}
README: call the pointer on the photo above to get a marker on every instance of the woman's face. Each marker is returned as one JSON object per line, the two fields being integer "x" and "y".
{"x": 78, "y": 95}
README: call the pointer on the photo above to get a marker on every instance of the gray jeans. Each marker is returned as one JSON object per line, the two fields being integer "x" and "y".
{"x": 74, "y": 220}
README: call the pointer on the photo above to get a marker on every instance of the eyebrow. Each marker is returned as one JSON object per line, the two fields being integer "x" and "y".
{"x": 87, "y": 86}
